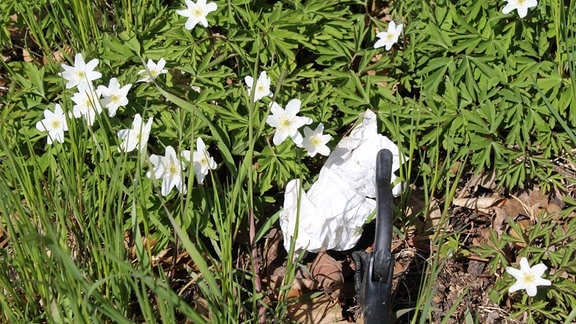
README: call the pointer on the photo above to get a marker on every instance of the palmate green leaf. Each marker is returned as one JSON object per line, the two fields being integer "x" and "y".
{"x": 492, "y": 116}
{"x": 437, "y": 37}
{"x": 442, "y": 16}
{"x": 277, "y": 165}
{"x": 36, "y": 78}
{"x": 567, "y": 103}
{"x": 466, "y": 43}
{"x": 352, "y": 99}
{"x": 556, "y": 115}
{"x": 277, "y": 44}
{"x": 29, "y": 79}
{"x": 515, "y": 175}
{"x": 462, "y": 21}
{"x": 475, "y": 122}
{"x": 217, "y": 133}
{"x": 433, "y": 80}
{"x": 466, "y": 97}
{"x": 233, "y": 118}
{"x": 489, "y": 72}
{"x": 6, "y": 8}
{"x": 470, "y": 85}
{"x": 114, "y": 51}
{"x": 335, "y": 54}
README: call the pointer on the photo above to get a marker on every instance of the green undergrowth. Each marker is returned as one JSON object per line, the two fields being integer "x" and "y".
{"x": 465, "y": 88}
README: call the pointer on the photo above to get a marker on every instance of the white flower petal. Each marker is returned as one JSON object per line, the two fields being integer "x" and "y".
{"x": 293, "y": 107}
{"x": 528, "y": 278}
{"x": 54, "y": 123}
{"x": 197, "y": 13}
{"x": 80, "y": 72}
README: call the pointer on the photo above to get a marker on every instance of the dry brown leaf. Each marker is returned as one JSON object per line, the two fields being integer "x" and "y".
{"x": 320, "y": 310}
{"x": 434, "y": 216}
{"x": 300, "y": 285}
{"x": 531, "y": 203}
{"x": 485, "y": 180}
{"x": 498, "y": 224}
{"x": 160, "y": 257}
{"x": 327, "y": 272}
{"x": 3, "y": 238}
{"x": 146, "y": 242}
{"x": 514, "y": 208}
{"x": 553, "y": 209}
{"x": 26, "y": 55}
{"x": 482, "y": 203}
{"x": 272, "y": 251}
{"x": 60, "y": 56}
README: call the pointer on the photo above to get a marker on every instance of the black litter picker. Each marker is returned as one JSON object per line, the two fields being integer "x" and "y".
{"x": 373, "y": 277}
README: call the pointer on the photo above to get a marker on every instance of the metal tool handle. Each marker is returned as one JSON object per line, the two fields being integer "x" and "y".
{"x": 384, "y": 215}
{"x": 377, "y": 267}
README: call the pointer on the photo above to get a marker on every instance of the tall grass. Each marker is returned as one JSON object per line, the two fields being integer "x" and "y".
{"x": 84, "y": 226}
{"x": 67, "y": 258}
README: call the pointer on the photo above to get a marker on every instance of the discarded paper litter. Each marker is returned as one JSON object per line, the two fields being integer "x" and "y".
{"x": 332, "y": 212}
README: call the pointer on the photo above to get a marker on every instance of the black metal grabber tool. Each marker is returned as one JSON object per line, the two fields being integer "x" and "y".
{"x": 373, "y": 277}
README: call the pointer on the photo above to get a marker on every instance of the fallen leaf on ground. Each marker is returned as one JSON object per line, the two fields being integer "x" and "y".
{"x": 482, "y": 203}
{"x": 327, "y": 272}
{"x": 319, "y": 310}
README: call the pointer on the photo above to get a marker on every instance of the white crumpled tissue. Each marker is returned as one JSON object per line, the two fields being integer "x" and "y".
{"x": 336, "y": 206}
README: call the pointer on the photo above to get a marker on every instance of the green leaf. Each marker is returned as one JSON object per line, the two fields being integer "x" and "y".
{"x": 217, "y": 133}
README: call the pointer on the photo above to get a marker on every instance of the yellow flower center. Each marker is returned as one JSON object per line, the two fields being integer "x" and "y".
{"x": 316, "y": 141}
{"x": 197, "y": 12}
{"x": 528, "y": 278}
{"x": 114, "y": 98}
{"x": 284, "y": 123}
{"x": 173, "y": 169}
{"x": 80, "y": 74}
{"x": 55, "y": 123}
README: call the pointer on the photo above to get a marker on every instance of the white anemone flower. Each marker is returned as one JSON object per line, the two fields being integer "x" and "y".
{"x": 521, "y": 6}
{"x": 286, "y": 122}
{"x": 87, "y": 103}
{"x": 390, "y": 37}
{"x": 527, "y": 277}
{"x": 81, "y": 72}
{"x": 152, "y": 70}
{"x": 135, "y": 137}
{"x": 114, "y": 96}
{"x": 202, "y": 160}
{"x": 262, "y": 86}
{"x": 315, "y": 141}
{"x": 197, "y": 13}
{"x": 54, "y": 123}
{"x": 168, "y": 168}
